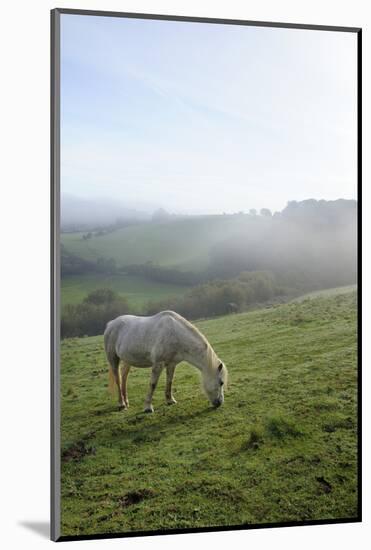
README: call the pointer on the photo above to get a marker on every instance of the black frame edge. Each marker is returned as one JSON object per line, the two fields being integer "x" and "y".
{"x": 359, "y": 266}
{"x": 54, "y": 283}
{"x": 215, "y": 20}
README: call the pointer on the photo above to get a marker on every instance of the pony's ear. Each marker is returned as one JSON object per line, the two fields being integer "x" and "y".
{"x": 220, "y": 367}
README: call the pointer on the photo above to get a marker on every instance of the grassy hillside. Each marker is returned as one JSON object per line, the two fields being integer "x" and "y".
{"x": 282, "y": 448}
{"x": 327, "y": 292}
{"x": 183, "y": 243}
{"x": 136, "y": 289}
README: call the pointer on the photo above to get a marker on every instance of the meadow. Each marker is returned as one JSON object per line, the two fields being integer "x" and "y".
{"x": 137, "y": 289}
{"x": 183, "y": 243}
{"x": 282, "y": 448}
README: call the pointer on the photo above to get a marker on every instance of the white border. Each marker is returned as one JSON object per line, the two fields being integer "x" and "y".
{"x": 24, "y": 238}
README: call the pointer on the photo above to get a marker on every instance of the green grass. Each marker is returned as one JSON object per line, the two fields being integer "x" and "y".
{"x": 282, "y": 448}
{"x": 181, "y": 243}
{"x": 327, "y": 292}
{"x": 135, "y": 288}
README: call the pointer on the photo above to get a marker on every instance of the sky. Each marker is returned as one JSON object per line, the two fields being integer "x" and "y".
{"x": 205, "y": 118}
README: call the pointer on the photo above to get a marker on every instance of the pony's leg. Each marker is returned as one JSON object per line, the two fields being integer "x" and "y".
{"x": 124, "y": 386}
{"x": 170, "y": 369}
{"x": 115, "y": 362}
{"x": 155, "y": 375}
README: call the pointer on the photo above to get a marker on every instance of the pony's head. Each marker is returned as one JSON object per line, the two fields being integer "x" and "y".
{"x": 214, "y": 381}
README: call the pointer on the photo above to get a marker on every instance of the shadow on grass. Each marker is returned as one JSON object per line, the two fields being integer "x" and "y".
{"x": 142, "y": 427}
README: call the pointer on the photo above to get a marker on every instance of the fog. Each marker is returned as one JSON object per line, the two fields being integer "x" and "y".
{"x": 314, "y": 242}
{"x": 309, "y": 243}
{"x": 87, "y": 213}
{"x": 257, "y": 258}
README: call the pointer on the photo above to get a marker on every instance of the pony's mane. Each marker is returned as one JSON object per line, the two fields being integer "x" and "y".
{"x": 189, "y": 325}
{"x": 192, "y": 328}
{"x": 212, "y": 358}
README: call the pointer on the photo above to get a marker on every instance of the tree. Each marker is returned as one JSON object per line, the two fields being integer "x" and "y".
{"x": 101, "y": 296}
{"x": 266, "y": 212}
{"x": 160, "y": 215}
{"x": 91, "y": 316}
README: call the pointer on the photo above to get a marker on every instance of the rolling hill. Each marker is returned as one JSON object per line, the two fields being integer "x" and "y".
{"x": 137, "y": 289}
{"x": 282, "y": 448}
{"x": 182, "y": 243}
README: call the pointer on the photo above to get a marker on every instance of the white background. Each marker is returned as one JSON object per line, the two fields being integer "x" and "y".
{"x": 24, "y": 246}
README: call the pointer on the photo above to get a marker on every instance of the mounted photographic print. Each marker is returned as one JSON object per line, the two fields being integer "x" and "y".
{"x": 205, "y": 327}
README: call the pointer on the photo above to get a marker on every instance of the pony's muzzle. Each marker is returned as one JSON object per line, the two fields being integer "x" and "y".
{"x": 217, "y": 403}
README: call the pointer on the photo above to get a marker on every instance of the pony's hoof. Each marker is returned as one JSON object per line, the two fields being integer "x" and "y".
{"x": 171, "y": 401}
{"x": 149, "y": 409}
{"x": 122, "y": 407}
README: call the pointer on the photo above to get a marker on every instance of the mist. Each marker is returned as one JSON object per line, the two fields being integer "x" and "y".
{"x": 309, "y": 243}
{"x": 79, "y": 214}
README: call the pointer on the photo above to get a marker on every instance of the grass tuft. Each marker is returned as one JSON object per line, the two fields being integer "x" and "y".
{"x": 280, "y": 427}
{"x": 255, "y": 439}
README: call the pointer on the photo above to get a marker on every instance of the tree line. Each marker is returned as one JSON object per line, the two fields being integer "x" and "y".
{"x": 209, "y": 299}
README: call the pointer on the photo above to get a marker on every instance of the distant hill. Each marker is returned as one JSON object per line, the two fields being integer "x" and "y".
{"x": 82, "y": 214}
{"x": 184, "y": 243}
{"x": 305, "y": 236}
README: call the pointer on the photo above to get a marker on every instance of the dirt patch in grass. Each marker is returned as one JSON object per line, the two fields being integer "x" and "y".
{"x": 77, "y": 451}
{"x": 134, "y": 497}
{"x": 339, "y": 423}
{"x": 254, "y": 440}
{"x": 325, "y": 486}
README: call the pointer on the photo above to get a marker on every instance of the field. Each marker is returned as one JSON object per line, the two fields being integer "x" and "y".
{"x": 136, "y": 289}
{"x": 182, "y": 243}
{"x": 327, "y": 292}
{"x": 282, "y": 448}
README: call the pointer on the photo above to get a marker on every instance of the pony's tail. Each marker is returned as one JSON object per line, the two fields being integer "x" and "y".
{"x": 114, "y": 366}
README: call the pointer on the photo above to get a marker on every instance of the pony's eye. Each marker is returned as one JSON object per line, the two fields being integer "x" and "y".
{"x": 221, "y": 382}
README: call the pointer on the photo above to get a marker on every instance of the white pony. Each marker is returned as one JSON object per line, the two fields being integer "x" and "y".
{"x": 162, "y": 340}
